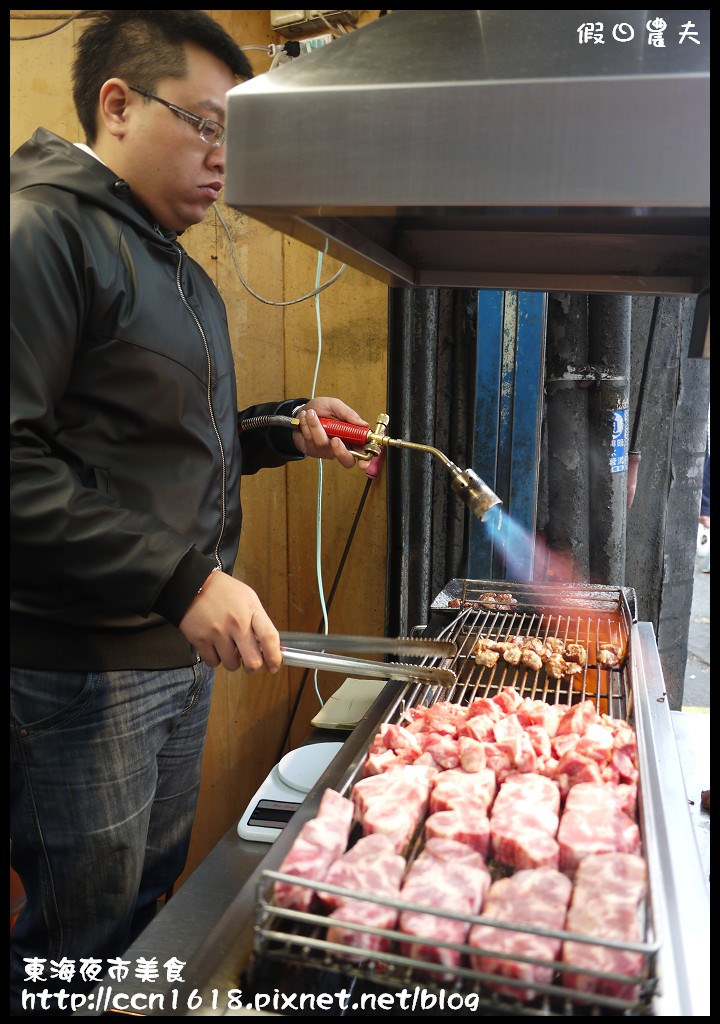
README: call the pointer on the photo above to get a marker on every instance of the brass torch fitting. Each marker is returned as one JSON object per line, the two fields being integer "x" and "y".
{"x": 375, "y": 440}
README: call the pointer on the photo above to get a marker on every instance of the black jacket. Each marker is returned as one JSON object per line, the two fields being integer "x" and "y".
{"x": 125, "y": 455}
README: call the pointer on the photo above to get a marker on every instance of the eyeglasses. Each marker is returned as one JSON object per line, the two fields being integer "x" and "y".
{"x": 208, "y": 130}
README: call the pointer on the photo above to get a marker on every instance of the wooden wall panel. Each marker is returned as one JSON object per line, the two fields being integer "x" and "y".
{"x": 353, "y": 363}
{"x": 275, "y": 349}
{"x": 40, "y": 88}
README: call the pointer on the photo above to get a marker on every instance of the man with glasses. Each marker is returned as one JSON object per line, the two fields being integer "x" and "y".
{"x": 208, "y": 130}
{"x": 126, "y": 466}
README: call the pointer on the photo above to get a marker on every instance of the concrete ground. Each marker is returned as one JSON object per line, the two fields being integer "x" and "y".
{"x": 696, "y": 695}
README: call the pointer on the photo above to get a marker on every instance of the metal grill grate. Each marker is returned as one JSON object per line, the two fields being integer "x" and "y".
{"x": 589, "y": 617}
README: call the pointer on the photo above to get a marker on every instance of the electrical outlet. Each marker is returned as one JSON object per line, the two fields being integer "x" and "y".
{"x": 279, "y": 19}
{"x": 298, "y": 23}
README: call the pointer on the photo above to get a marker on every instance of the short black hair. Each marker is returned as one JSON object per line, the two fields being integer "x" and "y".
{"x": 143, "y": 47}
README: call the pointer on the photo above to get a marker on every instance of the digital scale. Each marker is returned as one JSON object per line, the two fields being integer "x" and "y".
{"x": 284, "y": 790}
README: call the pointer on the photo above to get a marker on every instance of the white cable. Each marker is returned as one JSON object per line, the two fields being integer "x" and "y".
{"x": 332, "y": 30}
{"x": 318, "y": 522}
{"x": 319, "y": 321}
{"x": 276, "y": 52}
{"x": 316, "y": 292}
{"x": 270, "y": 302}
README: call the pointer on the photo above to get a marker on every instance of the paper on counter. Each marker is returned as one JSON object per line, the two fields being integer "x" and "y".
{"x": 345, "y": 708}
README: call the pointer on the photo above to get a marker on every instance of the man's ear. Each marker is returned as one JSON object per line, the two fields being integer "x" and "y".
{"x": 115, "y": 103}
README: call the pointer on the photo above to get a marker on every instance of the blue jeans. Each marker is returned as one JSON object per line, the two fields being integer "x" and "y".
{"x": 105, "y": 772}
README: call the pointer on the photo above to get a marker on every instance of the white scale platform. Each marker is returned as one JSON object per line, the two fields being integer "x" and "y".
{"x": 284, "y": 790}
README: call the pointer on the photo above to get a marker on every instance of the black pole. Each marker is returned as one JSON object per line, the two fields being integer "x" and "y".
{"x": 609, "y": 321}
{"x": 412, "y": 400}
{"x": 567, "y": 428}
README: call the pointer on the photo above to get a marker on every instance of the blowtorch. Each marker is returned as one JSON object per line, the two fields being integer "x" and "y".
{"x": 465, "y": 482}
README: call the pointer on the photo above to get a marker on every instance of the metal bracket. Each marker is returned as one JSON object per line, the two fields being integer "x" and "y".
{"x": 585, "y": 377}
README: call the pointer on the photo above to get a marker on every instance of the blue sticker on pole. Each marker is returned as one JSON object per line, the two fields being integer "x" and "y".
{"x": 618, "y": 458}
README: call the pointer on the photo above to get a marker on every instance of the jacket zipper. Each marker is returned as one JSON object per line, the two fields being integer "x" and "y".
{"x": 210, "y": 405}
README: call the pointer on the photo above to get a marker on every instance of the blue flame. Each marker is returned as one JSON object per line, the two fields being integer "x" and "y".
{"x": 511, "y": 543}
{"x": 524, "y": 556}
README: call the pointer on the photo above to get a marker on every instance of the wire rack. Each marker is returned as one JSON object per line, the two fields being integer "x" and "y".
{"x": 589, "y": 616}
{"x": 298, "y": 940}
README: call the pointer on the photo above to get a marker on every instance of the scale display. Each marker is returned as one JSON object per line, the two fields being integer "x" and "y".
{"x": 284, "y": 790}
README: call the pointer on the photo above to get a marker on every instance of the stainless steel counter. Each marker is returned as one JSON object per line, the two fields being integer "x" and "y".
{"x": 692, "y": 735}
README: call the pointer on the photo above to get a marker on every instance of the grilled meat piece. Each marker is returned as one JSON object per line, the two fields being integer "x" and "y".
{"x": 499, "y": 645}
{"x": 481, "y": 643}
{"x": 555, "y": 666}
{"x": 512, "y": 654}
{"x": 534, "y": 643}
{"x": 499, "y": 601}
{"x": 609, "y": 655}
{"x": 576, "y": 653}
{"x": 485, "y": 652}
{"x": 487, "y": 657}
{"x": 531, "y": 659}
{"x": 555, "y": 645}
{"x": 561, "y": 658}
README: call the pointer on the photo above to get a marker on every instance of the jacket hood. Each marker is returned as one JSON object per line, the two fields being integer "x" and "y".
{"x": 46, "y": 159}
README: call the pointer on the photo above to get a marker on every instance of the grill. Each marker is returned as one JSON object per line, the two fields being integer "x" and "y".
{"x": 464, "y": 612}
{"x": 242, "y": 943}
{"x": 589, "y": 616}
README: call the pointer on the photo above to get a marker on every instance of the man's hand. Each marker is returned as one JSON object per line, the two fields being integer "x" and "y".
{"x": 310, "y": 438}
{"x": 229, "y": 626}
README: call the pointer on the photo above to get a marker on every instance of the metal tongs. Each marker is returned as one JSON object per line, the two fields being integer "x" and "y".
{"x": 309, "y": 650}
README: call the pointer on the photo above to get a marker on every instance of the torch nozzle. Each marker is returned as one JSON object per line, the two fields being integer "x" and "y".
{"x": 465, "y": 482}
{"x": 475, "y": 493}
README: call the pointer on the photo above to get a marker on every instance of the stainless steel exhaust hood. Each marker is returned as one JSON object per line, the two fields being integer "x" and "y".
{"x": 539, "y": 150}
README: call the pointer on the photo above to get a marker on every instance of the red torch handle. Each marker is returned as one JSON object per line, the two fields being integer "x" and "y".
{"x": 345, "y": 431}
